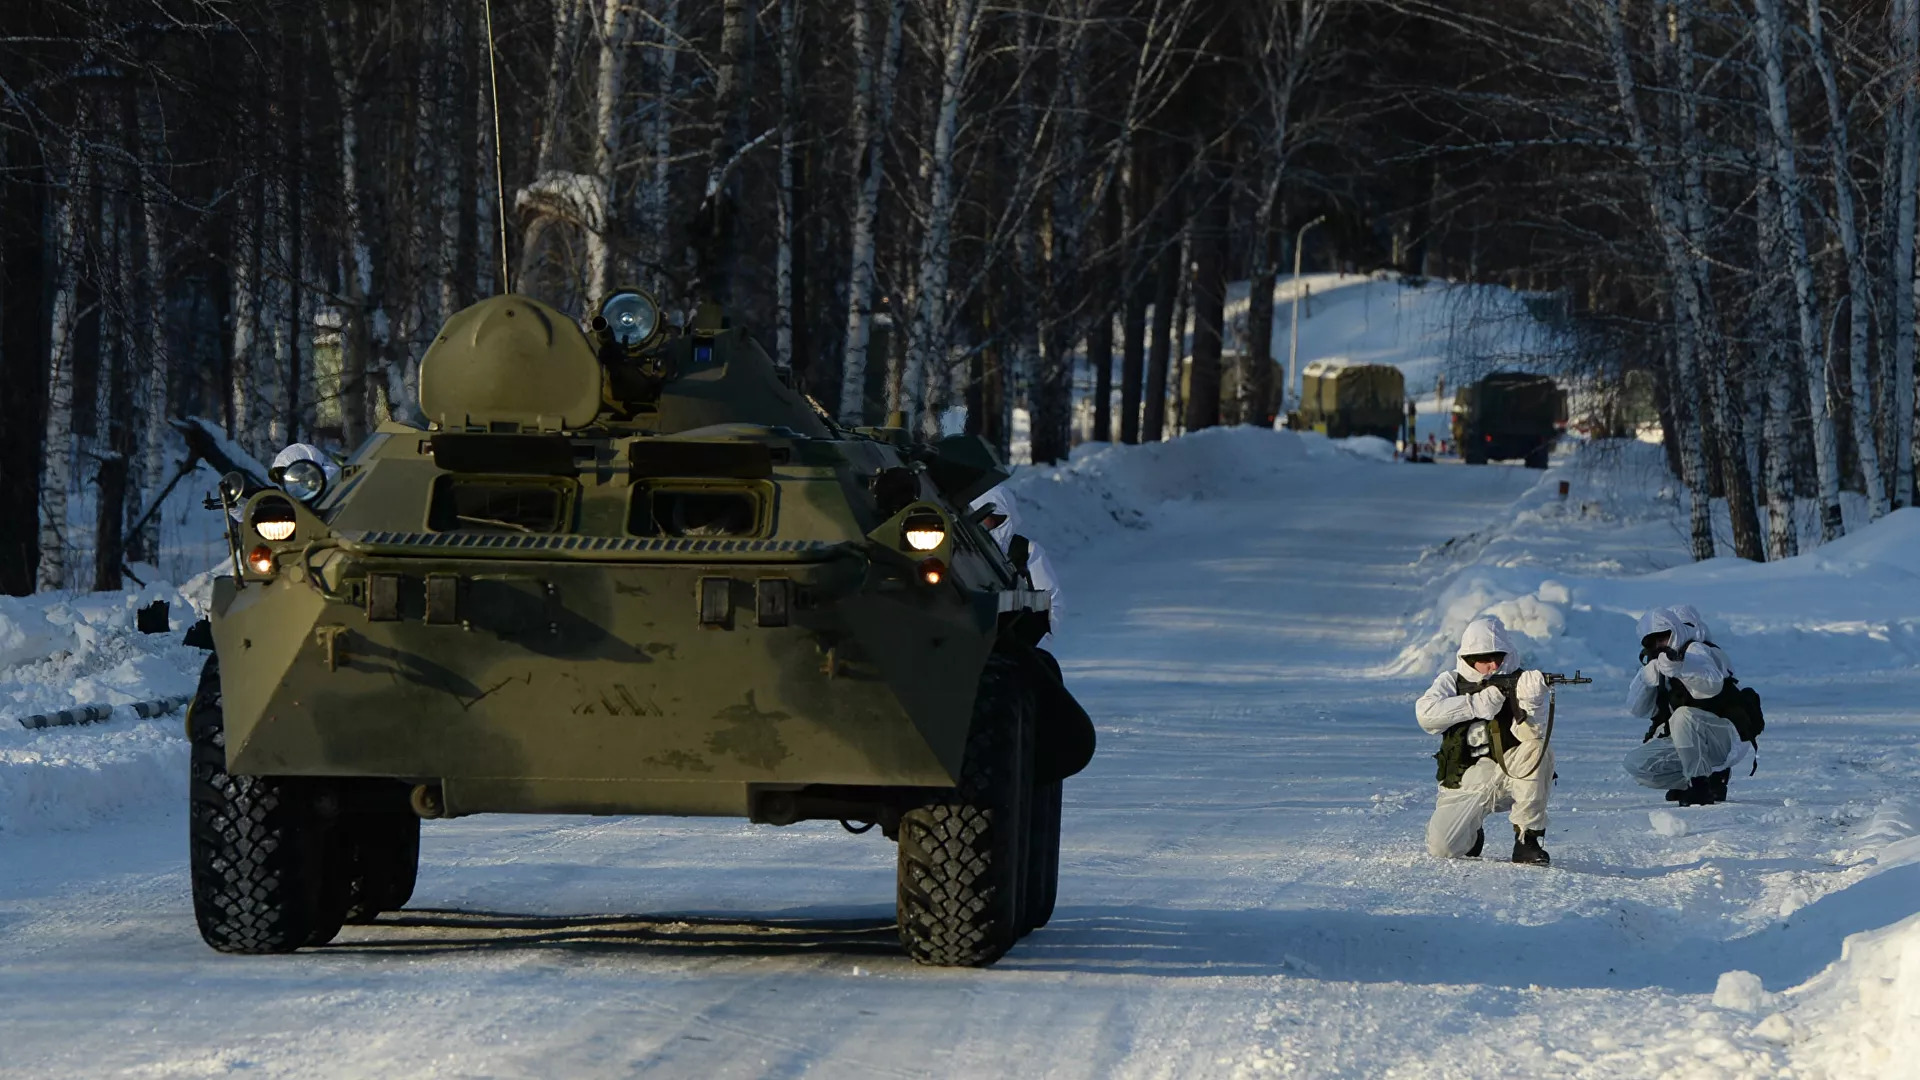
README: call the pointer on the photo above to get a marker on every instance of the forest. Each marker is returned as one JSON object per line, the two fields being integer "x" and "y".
{"x": 259, "y": 212}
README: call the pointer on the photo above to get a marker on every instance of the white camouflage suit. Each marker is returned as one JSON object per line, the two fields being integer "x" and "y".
{"x": 1700, "y": 743}
{"x": 1459, "y": 813}
{"x": 1039, "y": 567}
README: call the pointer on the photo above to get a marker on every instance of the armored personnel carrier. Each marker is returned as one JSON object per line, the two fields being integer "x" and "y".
{"x": 626, "y": 570}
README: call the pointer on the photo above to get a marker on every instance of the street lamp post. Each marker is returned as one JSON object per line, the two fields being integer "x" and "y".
{"x": 1293, "y": 349}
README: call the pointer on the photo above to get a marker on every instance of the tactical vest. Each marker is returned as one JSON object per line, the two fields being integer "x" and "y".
{"x": 1736, "y": 704}
{"x": 1033, "y": 625}
{"x": 1456, "y": 755}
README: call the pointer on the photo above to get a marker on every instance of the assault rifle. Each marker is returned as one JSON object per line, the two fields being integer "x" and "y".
{"x": 1508, "y": 683}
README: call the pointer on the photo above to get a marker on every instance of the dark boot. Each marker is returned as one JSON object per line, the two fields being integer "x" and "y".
{"x": 1479, "y": 841}
{"x": 1676, "y": 794}
{"x": 1720, "y": 781}
{"x": 1699, "y": 792}
{"x": 1526, "y": 847}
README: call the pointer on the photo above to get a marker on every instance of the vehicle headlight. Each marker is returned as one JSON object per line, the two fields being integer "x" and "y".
{"x": 924, "y": 532}
{"x": 304, "y": 480}
{"x": 272, "y": 518}
{"x": 631, "y": 317}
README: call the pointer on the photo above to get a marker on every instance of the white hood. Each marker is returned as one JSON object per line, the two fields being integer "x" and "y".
{"x": 1484, "y": 635}
{"x": 1668, "y": 620}
{"x": 1691, "y": 616}
{"x": 1003, "y": 502}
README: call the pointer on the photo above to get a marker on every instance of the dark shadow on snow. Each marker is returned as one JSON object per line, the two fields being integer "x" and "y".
{"x": 430, "y": 931}
{"x": 1630, "y": 946}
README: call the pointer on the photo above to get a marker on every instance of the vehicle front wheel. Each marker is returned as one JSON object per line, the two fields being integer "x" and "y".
{"x": 257, "y": 846}
{"x": 962, "y": 857}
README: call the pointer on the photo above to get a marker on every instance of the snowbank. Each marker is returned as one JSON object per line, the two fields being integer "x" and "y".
{"x": 1571, "y": 576}
{"x": 1108, "y": 485}
{"x": 1860, "y": 1018}
{"x": 59, "y": 650}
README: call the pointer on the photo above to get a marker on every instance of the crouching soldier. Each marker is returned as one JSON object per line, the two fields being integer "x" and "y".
{"x": 1036, "y": 572}
{"x": 1697, "y": 712}
{"x": 1492, "y": 757}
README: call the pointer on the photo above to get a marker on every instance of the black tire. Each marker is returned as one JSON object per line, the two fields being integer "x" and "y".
{"x": 1474, "y": 459}
{"x": 383, "y": 860}
{"x": 962, "y": 858}
{"x": 257, "y": 846}
{"x": 1043, "y": 856}
{"x": 1537, "y": 459}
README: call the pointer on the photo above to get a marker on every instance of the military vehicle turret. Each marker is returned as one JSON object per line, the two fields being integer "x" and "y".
{"x": 626, "y": 570}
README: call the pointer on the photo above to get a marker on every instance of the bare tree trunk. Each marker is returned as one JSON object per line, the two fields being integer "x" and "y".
{"x": 1134, "y": 278}
{"x": 872, "y": 109}
{"x": 356, "y": 331}
{"x": 1859, "y": 287}
{"x": 928, "y": 342}
{"x": 1904, "y": 132}
{"x": 656, "y": 189}
{"x": 71, "y": 205}
{"x": 244, "y": 289}
{"x": 1776, "y": 365}
{"x": 783, "y": 274}
{"x": 1166, "y": 293}
{"x": 1053, "y": 384}
{"x": 1209, "y": 302}
{"x": 155, "y": 365}
{"x": 718, "y": 248}
{"x": 569, "y": 19}
{"x": 1768, "y": 29}
{"x": 610, "y": 82}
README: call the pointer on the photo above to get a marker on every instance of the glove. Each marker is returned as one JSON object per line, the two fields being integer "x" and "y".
{"x": 1666, "y": 665}
{"x": 1649, "y": 675}
{"x": 1486, "y": 704}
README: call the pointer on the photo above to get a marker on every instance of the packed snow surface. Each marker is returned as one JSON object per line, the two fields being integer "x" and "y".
{"x": 1244, "y": 887}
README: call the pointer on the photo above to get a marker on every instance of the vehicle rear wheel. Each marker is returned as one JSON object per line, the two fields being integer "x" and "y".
{"x": 1472, "y": 458}
{"x": 1537, "y": 459}
{"x": 962, "y": 858}
{"x": 257, "y": 846}
{"x": 1043, "y": 856}
{"x": 383, "y": 860}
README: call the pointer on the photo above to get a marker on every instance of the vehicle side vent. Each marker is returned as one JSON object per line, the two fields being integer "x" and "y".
{"x": 485, "y": 543}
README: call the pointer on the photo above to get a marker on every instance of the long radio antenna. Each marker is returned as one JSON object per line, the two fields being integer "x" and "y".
{"x": 499, "y": 181}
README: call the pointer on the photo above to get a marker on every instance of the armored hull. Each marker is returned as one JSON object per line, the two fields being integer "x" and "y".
{"x": 643, "y": 581}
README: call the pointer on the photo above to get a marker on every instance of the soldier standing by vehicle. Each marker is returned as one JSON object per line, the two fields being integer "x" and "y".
{"x": 1493, "y": 755}
{"x": 1036, "y": 572}
{"x": 1698, "y": 714}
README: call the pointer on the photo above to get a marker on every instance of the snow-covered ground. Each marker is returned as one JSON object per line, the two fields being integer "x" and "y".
{"x": 1244, "y": 886}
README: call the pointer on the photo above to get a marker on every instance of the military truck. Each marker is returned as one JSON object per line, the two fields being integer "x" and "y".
{"x": 1232, "y": 363}
{"x": 1341, "y": 398}
{"x": 624, "y": 571}
{"x": 1508, "y": 415}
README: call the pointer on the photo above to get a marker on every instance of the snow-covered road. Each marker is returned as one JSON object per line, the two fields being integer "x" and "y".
{"x": 1244, "y": 890}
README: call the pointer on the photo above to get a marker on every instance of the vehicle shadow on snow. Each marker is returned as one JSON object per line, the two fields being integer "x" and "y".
{"x": 426, "y": 931}
{"x": 1631, "y": 946}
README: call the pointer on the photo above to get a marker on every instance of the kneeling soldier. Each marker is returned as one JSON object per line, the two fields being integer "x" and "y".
{"x": 1491, "y": 754}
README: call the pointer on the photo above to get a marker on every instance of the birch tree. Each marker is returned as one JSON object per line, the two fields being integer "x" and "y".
{"x": 928, "y": 339}
{"x": 1859, "y": 290}
{"x": 872, "y": 112}
{"x": 1769, "y": 26}
{"x": 71, "y": 200}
